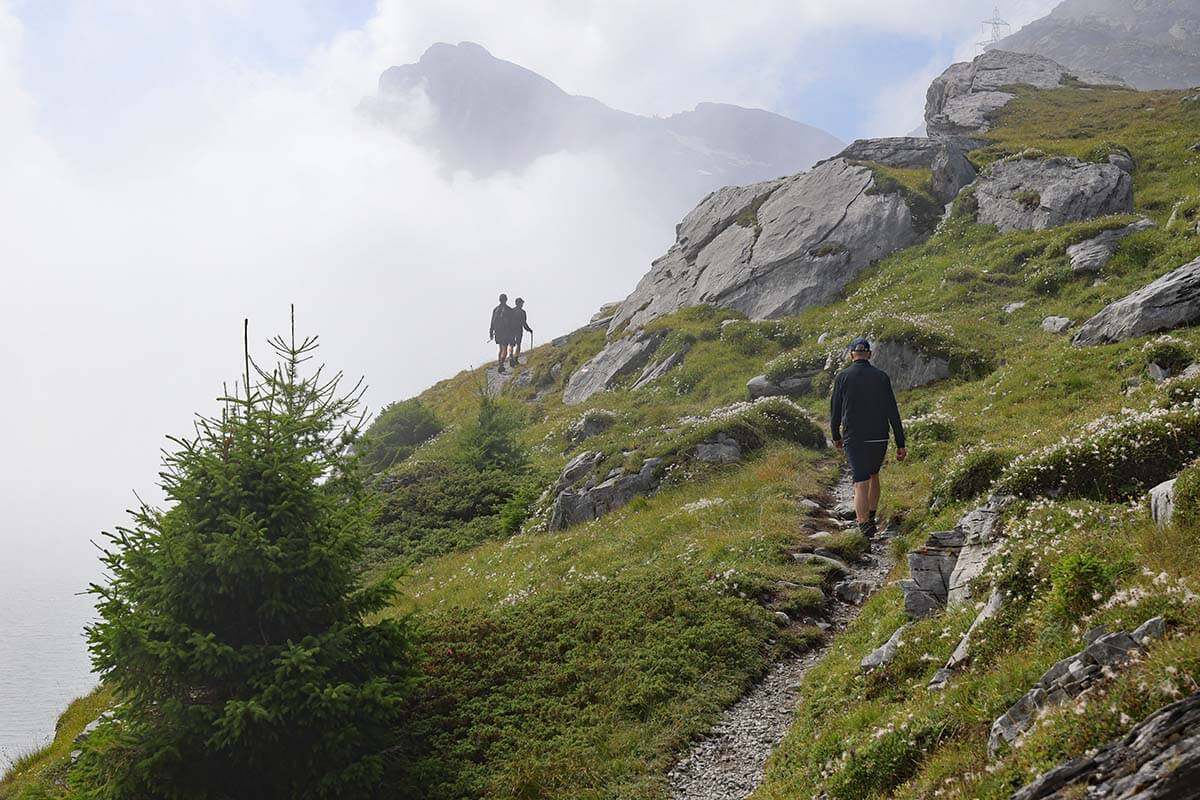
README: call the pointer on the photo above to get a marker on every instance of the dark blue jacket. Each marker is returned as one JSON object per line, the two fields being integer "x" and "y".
{"x": 863, "y": 405}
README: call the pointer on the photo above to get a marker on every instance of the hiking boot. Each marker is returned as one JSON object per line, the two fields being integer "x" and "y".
{"x": 500, "y": 369}
{"x": 868, "y": 529}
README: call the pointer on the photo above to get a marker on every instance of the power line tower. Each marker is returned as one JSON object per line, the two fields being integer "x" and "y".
{"x": 999, "y": 29}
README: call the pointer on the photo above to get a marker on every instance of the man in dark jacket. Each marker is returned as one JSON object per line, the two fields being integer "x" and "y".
{"x": 519, "y": 326}
{"x": 500, "y": 330}
{"x": 862, "y": 408}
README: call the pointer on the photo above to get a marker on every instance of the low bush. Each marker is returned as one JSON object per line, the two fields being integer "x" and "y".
{"x": 746, "y": 338}
{"x": 1179, "y": 391}
{"x": 397, "y": 430}
{"x": 1080, "y": 583}
{"x": 1115, "y": 458}
{"x": 972, "y": 472}
{"x": 1169, "y": 353}
{"x": 1187, "y": 496}
{"x": 930, "y": 428}
{"x": 799, "y": 361}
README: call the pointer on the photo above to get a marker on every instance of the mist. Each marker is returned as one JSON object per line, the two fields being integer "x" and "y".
{"x": 168, "y": 172}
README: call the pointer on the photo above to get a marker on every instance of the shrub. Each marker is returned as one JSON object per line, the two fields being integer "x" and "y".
{"x": 1080, "y": 583}
{"x": 1028, "y": 199}
{"x": 1115, "y": 458}
{"x": 747, "y": 338}
{"x": 489, "y": 442}
{"x": 1179, "y": 391}
{"x": 395, "y": 433}
{"x": 972, "y": 472}
{"x": 233, "y": 624}
{"x": 1187, "y": 496}
{"x": 797, "y": 362}
{"x": 1048, "y": 279}
{"x": 930, "y": 428}
{"x": 1169, "y": 353}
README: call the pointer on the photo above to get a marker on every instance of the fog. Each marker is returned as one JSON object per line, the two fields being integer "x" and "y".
{"x": 167, "y": 170}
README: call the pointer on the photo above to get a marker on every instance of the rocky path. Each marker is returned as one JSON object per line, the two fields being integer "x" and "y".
{"x": 728, "y": 763}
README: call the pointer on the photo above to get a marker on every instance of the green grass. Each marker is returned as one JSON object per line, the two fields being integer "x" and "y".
{"x": 41, "y": 775}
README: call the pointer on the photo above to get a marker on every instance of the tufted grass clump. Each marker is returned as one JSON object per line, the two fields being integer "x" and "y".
{"x": 1080, "y": 583}
{"x": 800, "y": 361}
{"x": 972, "y": 472}
{"x": 747, "y": 338}
{"x": 1168, "y": 353}
{"x": 1115, "y": 458}
{"x": 1181, "y": 391}
{"x": 1187, "y": 496}
{"x": 932, "y": 427}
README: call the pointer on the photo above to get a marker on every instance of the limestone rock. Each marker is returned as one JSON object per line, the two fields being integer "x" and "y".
{"x": 982, "y": 530}
{"x": 821, "y": 561}
{"x": 962, "y": 652}
{"x": 762, "y": 386}
{"x": 1071, "y": 677}
{"x": 1033, "y": 194}
{"x": 657, "y": 369}
{"x": 593, "y": 423}
{"x": 885, "y": 653}
{"x": 1157, "y": 373}
{"x": 944, "y": 158}
{"x": 907, "y": 366}
{"x": 854, "y": 592}
{"x": 1123, "y": 162}
{"x": 1056, "y": 324}
{"x": 724, "y": 449}
{"x": 1013, "y": 308}
{"x": 1162, "y": 502}
{"x": 773, "y": 249}
{"x": 1168, "y": 302}
{"x": 1158, "y": 760}
{"x": 618, "y": 358}
{"x": 963, "y": 100}
{"x": 1090, "y": 256}
{"x": 583, "y": 504}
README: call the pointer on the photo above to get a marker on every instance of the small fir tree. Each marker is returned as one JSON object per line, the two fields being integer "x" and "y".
{"x": 234, "y": 626}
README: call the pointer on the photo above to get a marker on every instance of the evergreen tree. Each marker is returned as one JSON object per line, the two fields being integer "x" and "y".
{"x": 489, "y": 442}
{"x": 233, "y": 625}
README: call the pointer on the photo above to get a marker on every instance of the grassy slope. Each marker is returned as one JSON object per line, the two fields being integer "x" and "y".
{"x": 573, "y": 665}
{"x": 42, "y": 774}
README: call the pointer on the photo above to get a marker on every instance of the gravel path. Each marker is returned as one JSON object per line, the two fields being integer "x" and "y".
{"x": 729, "y": 762}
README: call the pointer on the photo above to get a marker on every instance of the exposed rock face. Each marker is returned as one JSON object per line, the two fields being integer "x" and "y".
{"x": 962, "y": 100}
{"x": 942, "y": 570}
{"x": 618, "y": 358}
{"x": 1162, "y": 502}
{"x": 1072, "y": 676}
{"x": 1152, "y": 44}
{"x": 762, "y": 386}
{"x": 657, "y": 369}
{"x": 724, "y": 449}
{"x": 593, "y": 423}
{"x": 772, "y": 249}
{"x": 586, "y": 503}
{"x": 1158, "y": 760}
{"x": 1168, "y": 302}
{"x": 1033, "y": 194}
{"x": 1090, "y": 256}
{"x": 907, "y": 366}
{"x": 962, "y": 652}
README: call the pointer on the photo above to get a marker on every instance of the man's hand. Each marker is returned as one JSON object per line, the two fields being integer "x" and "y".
{"x": 901, "y": 453}
{"x": 838, "y": 443}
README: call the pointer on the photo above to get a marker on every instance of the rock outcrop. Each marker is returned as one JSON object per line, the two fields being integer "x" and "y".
{"x": 1158, "y": 760}
{"x": 593, "y": 499}
{"x": 772, "y": 249}
{"x": 945, "y": 159}
{"x": 1056, "y": 324}
{"x": 1168, "y": 302}
{"x": 1072, "y": 676}
{"x": 964, "y": 98}
{"x": 885, "y": 653}
{"x": 1162, "y": 502}
{"x": 791, "y": 386}
{"x": 1036, "y": 193}
{"x": 962, "y": 652}
{"x": 907, "y": 366}
{"x": 617, "y": 359}
{"x": 1089, "y": 257}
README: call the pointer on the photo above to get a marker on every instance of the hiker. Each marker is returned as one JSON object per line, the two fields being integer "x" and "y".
{"x": 862, "y": 407}
{"x": 501, "y": 329}
{"x": 519, "y": 326}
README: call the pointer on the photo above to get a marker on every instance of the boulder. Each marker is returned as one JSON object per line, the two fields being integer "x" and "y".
{"x": 1168, "y": 302}
{"x": 724, "y": 449}
{"x": 1162, "y": 502}
{"x": 773, "y": 249}
{"x": 884, "y": 655}
{"x": 907, "y": 366}
{"x": 1033, "y": 194}
{"x": 854, "y": 592}
{"x": 1090, "y": 256}
{"x": 1123, "y": 162}
{"x": 1157, "y": 372}
{"x": 821, "y": 561}
{"x": 1013, "y": 308}
{"x": 762, "y": 386}
{"x": 930, "y": 568}
{"x": 1056, "y": 324}
{"x": 593, "y": 423}
{"x": 618, "y": 358}
{"x": 1071, "y": 677}
{"x": 1158, "y": 760}
{"x": 964, "y": 99}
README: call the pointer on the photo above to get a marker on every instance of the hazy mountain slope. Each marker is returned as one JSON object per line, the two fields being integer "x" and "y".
{"x": 1153, "y": 44}
{"x": 490, "y": 115}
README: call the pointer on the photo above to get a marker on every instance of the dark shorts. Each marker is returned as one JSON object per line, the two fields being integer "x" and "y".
{"x": 866, "y": 459}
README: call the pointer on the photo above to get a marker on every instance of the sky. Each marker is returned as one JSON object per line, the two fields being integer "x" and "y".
{"x": 172, "y": 168}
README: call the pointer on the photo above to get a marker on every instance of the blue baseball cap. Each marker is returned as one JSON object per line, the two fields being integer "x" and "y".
{"x": 860, "y": 345}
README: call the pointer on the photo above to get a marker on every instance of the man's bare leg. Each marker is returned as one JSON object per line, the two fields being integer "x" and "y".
{"x": 862, "y": 499}
{"x": 873, "y": 496}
